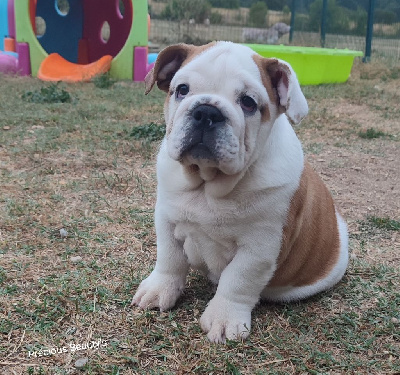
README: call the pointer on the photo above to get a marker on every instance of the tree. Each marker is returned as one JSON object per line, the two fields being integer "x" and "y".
{"x": 228, "y": 4}
{"x": 178, "y": 10}
{"x": 246, "y": 3}
{"x": 276, "y": 4}
{"x": 338, "y": 20}
{"x": 361, "y": 18}
{"x": 271, "y": 4}
{"x": 257, "y": 14}
{"x": 384, "y": 16}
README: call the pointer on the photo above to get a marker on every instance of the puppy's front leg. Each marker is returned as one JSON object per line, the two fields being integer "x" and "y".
{"x": 165, "y": 284}
{"x": 228, "y": 314}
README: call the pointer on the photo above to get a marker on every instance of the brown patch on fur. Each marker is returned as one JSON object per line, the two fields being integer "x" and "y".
{"x": 169, "y": 61}
{"x": 271, "y": 73}
{"x": 168, "y": 129}
{"x": 263, "y": 65}
{"x": 310, "y": 246}
{"x": 197, "y": 51}
{"x": 265, "y": 114}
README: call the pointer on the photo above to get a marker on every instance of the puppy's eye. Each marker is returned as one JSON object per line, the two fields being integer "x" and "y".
{"x": 182, "y": 91}
{"x": 248, "y": 104}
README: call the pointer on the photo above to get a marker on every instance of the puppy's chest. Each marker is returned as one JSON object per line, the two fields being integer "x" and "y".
{"x": 195, "y": 217}
{"x": 193, "y": 212}
{"x": 209, "y": 247}
{"x": 208, "y": 232}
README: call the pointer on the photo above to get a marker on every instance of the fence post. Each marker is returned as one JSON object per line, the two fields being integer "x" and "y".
{"x": 292, "y": 16}
{"x": 370, "y": 31}
{"x": 323, "y": 22}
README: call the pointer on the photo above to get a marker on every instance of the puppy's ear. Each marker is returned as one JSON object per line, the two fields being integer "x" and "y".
{"x": 286, "y": 89}
{"x": 168, "y": 62}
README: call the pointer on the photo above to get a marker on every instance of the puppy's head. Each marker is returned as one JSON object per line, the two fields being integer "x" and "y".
{"x": 222, "y": 101}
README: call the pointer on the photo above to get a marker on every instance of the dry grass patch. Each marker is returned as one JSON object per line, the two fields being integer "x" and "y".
{"x": 75, "y": 166}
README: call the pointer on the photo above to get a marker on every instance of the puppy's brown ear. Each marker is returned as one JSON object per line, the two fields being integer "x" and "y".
{"x": 168, "y": 62}
{"x": 280, "y": 76}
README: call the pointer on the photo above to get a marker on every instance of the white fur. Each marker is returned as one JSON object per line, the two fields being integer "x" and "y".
{"x": 228, "y": 225}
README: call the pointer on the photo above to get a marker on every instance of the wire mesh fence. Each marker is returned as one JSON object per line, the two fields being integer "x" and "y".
{"x": 267, "y": 22}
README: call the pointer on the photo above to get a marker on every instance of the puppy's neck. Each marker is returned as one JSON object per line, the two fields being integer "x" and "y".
{"x": 199, "y": 175}
{"x": 208, "y": 173}
{"x": 216, "y": 183}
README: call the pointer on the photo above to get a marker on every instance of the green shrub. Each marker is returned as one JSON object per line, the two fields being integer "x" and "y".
{"x": 215, "y": 18}
{"x": 150, "y": 132}
{"x": 103, "y": 81}
{"x": 258, "y": 14}
{"x": 371, "y": 133}
{"x": 385, "y": 223}
{"x": 301, "y": 22}
{"x": 48, "y": 94}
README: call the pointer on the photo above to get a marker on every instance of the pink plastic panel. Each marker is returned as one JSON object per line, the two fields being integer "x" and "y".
{"x": 24, "y": 60}
{"x": 8, "y": 63}
{"x": 140, "y": 64}
{"x": 96, "y": 13}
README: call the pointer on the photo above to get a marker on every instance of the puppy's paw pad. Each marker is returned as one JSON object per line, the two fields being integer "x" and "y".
{"x": 158, "y": 291}
{"x": 226, "y": 320}
{"x": 227, "y": 330}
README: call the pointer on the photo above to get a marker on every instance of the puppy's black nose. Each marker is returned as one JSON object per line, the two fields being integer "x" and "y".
{"x": 207, "y": 117}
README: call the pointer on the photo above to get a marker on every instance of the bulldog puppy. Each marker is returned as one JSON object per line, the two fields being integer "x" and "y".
{"x": 236, "y": 199}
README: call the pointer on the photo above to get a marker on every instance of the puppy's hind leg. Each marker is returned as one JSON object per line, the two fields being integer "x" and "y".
{"x": 293, "y": 293}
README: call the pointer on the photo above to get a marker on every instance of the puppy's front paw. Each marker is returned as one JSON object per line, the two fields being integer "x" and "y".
{"x": 224, "y": 319}
{"x": 158, "y": 290}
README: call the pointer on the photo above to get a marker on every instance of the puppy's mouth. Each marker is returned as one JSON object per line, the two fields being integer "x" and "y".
{"x": 199, "y": 151}
{"x": 200, "y": 143}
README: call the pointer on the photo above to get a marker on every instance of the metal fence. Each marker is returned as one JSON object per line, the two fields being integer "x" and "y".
{"x": 191, "y": 21}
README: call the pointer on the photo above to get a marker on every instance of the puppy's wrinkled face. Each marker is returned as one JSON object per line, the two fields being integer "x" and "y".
{"x": 215, "y": 107}
{"x": 222, "y": 102}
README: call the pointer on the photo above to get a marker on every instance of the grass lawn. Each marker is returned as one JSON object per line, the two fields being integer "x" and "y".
{"x": 77, "y": 194}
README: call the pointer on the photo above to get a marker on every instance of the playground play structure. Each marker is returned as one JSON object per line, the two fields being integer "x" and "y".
{"x": 72, "y": 46}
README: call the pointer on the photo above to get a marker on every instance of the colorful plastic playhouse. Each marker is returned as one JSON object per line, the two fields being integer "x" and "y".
{"x": 72, "y": 47}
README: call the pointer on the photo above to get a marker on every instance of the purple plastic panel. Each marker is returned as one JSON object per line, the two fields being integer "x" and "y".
{"x": 96, "y": 13}
{"x": 11, "y": 19}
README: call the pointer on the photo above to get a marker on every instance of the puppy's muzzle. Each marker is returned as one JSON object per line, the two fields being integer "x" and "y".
{"x": 205, "y": 122}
